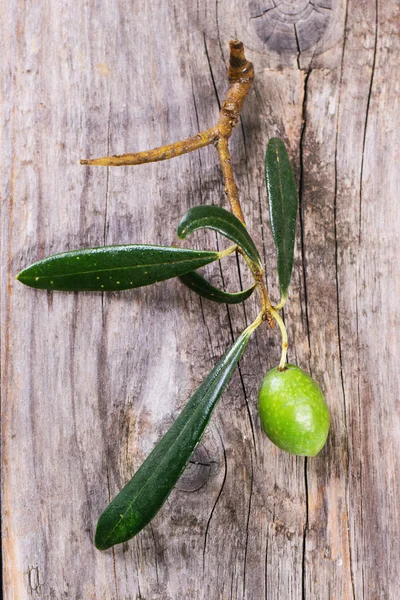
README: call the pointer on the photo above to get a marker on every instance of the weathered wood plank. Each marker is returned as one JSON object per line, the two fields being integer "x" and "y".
{"x": 90, "y": 382}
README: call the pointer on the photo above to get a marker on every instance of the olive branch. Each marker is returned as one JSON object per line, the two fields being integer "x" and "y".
{"x": 296, "y": 423}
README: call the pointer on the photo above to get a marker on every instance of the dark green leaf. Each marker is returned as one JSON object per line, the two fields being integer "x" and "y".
{"x": 201, "y": 286}
{"x": 282, "y": 199}
{"x": 112, "y": 268}
{"x": 139, "y": 501}
{"x": 219, "y": 219}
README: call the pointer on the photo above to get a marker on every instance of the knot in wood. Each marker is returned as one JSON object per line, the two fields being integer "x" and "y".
{"x": 290, "y": 26}
{"x": 199, "y": 471}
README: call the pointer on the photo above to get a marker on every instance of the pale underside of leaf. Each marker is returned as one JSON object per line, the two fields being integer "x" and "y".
{"x": 201, "y": 286}
{"x": 222, "y": 221}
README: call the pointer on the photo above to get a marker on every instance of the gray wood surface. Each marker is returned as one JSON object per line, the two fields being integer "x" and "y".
{"x": 90, "y": 382}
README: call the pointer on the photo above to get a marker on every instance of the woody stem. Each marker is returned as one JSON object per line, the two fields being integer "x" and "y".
{"x": 240, "y": 76}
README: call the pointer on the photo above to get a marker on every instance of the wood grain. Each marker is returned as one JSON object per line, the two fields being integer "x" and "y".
{"x": 90, "y": 382}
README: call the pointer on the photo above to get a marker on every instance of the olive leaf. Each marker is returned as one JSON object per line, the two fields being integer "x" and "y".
{"x": 113, "y": 268}
{"x": 219, "y": 219}
{"x": 139, "y": 501}
{"x": 201, "y": 286}
{"x": 283, "y": 203}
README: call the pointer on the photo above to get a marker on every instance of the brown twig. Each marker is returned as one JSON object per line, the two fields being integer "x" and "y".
{"x": 231, "y": 189}
{"x": 240, "y": 76}
{"x": 204, "y": 138}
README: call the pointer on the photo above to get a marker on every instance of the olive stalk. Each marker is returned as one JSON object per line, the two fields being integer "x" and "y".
{"x": 257, "y": 321}
{"x": 281, "y": 304}
{"x": 228, "y": 251}
{"x": 282, "y": 328}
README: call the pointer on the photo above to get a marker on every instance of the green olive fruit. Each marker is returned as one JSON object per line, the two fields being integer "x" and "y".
{"x": 293, "y": 411}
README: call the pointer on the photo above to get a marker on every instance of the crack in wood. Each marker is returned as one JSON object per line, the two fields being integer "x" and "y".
{"x": 303, "y": 258}
{"x": 216, "y": 500}
{"x": 304, "y": 546}
{"x": 371, "y": 82}
{"x": 338, "y": 303}
{"x": 301, "y": 202}
{"x": 247, "y": 525}
{"x": 155, "y": 552}
{"x": 218, "y": 31}
{"x": 211, "y": 72}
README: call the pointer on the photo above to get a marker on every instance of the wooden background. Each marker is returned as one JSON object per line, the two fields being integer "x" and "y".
{"x": 90, "y": 382}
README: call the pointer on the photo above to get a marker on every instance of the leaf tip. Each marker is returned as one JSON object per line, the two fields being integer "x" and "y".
{"x": 21, "y": 277}
{"x": 101, "y": 541}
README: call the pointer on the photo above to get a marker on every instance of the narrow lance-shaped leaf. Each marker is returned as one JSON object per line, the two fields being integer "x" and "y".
{"x": 283, "y": 203}
{"x": 139, "y": 501}
{"x": 219, "y": 219}
{"x": 113, "y": 268}
{"x": 201, "y": 286}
